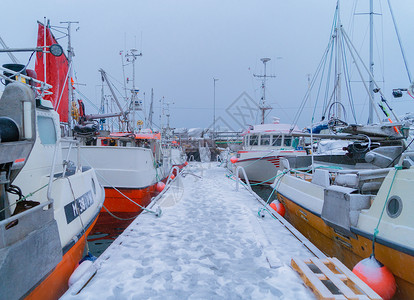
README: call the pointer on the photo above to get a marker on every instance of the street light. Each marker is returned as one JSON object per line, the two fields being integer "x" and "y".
{"x": 214, "y": 104}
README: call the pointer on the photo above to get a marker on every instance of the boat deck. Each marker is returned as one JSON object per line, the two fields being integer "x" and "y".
{"x": 209, "y": 243}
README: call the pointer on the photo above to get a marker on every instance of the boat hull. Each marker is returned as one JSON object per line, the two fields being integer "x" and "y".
{"x": 117, "y": 202}
{"x": 351, "y": 250}
{"x": 56, "y": 283}
{"x": 260, "y": 170}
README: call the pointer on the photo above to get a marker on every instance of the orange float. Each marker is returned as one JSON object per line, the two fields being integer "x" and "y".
{"x": 278, "y": 207}
{"x": 377, "y": 276}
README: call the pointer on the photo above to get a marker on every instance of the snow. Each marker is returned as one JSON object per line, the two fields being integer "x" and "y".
{"x": 209, "y": 243}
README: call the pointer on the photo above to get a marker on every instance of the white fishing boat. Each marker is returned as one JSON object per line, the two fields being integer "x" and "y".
{"x": 263, "y": 147}
{"x": 264, "y": 144}
{"x": 129, "y": 160}
{"x": 48, "y": 204}
{"x": 129, "y": 166}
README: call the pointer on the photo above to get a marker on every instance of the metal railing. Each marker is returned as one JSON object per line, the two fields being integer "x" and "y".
{"x": 43, "y": 88}
{"x": 167, "y": 186}
{"x": 238, "y": 179}
{"x": 54, "y": 163}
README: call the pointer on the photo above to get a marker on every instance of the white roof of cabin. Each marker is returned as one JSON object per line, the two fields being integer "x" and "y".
{"x": 273, "y": 128}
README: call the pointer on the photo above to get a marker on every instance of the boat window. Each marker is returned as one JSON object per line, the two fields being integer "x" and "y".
{"x": 277, "y": 140}
{"x": 295, "y": 142}
{"x": 394, "y": 206}
{"x": 265, "y": 140}
{"x": 47, "y": 130}
{"x": 254, "y": 140}
{"x": 287, "y": 141}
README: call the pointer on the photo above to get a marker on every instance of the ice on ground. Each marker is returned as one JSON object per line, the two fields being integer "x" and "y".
{"x": 210, "y": 245}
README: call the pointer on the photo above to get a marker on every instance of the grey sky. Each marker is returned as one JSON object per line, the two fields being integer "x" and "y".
{"x": 187, "y": 43}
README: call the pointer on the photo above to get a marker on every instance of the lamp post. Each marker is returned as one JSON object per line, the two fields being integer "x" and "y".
{"x": 214, "y": 104}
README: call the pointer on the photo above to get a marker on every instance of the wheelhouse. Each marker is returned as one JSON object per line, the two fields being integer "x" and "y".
{"x": 272, "y": 140}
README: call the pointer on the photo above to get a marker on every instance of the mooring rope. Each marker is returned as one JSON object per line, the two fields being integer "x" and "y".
{"x": 27, "y": 196}
{"x": 376, "y": 230}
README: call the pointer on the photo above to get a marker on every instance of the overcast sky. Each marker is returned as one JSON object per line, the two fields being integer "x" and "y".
{"x": 185, "y": 44}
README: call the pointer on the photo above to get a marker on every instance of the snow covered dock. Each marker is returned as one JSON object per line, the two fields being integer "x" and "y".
{"x": 209, "y": 243}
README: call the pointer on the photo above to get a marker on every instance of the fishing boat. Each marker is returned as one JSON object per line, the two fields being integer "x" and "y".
{"x": 264, "y": 144}
{"x": 355, "y": 213}
{"x": 178, "y": 157}
{"x": 48, "y": 204}
{"x": 340, "y": 211}
{"x": 129, "y": 166}
{"x": 129, "y": 161}
{"x": 263, "y": 147}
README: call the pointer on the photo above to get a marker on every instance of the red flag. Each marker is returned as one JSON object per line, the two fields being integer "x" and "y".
{"x": 56, "y": 73}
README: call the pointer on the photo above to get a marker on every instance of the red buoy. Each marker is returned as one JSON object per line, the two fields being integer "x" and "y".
{"x": 233, "y": 159}
{"x": 278, "y": 207}
{"x": 377, "y": 276}
{"x": 172, "y": 176}
{"x": 186, "y": 163}
{"x": 160, "y": 186}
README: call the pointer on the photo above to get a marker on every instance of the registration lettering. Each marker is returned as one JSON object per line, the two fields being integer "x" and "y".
{"x": 77, "y": 207}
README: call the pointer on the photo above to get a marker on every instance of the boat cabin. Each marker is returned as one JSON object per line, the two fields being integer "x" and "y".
{"x": 273, "y": 135}
{"x": 265, "y": 140}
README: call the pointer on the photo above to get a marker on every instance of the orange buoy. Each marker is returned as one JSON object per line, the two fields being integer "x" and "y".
{"x": 234, "y": 159}
{"x": 377, "y": 276}
{"x": 186, "y": 163}
{"x": 160, "y": 186}
{"x": 278, "y": 207}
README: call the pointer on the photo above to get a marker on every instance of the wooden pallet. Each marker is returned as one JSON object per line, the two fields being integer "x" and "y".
{"x": 330, "y": 279}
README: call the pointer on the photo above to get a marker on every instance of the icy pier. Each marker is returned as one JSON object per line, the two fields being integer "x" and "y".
{"x": 209, "y": 243}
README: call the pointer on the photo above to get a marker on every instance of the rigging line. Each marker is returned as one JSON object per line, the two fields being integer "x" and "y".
{"x": 320, "y": 85}
{"x": 382, "y": 43}
{"x": 64, "y": 85}
{"x": 399, "y": 41}
{"x": 333, "y": 38}
{"x": 86, "y": 98}
{"x": 115, "y": 79}
{"x": 352, "y": 47}
{"x": 328, "y": 76}
{"x": 348, "y": 86}
{"x": 352, "y": 18}
{"x": 65, "y": 34}
{"x": 306, "y": 97}
{"x": 332, "y": 97}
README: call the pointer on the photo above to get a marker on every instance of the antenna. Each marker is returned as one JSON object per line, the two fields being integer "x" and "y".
{"x": 214, "y": 104}
{"x": 135, "y": 104}
{"x": 262, "y": 104}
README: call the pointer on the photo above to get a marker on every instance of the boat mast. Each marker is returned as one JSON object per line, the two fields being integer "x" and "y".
{"x": 151, "y": 110}
{"x": 71, "y": 54}
{"x": 134, "y": 104}
{"x": 371, "y": 59}
{"x": 338, "y": 62}
{"x": 262, "y": 104}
